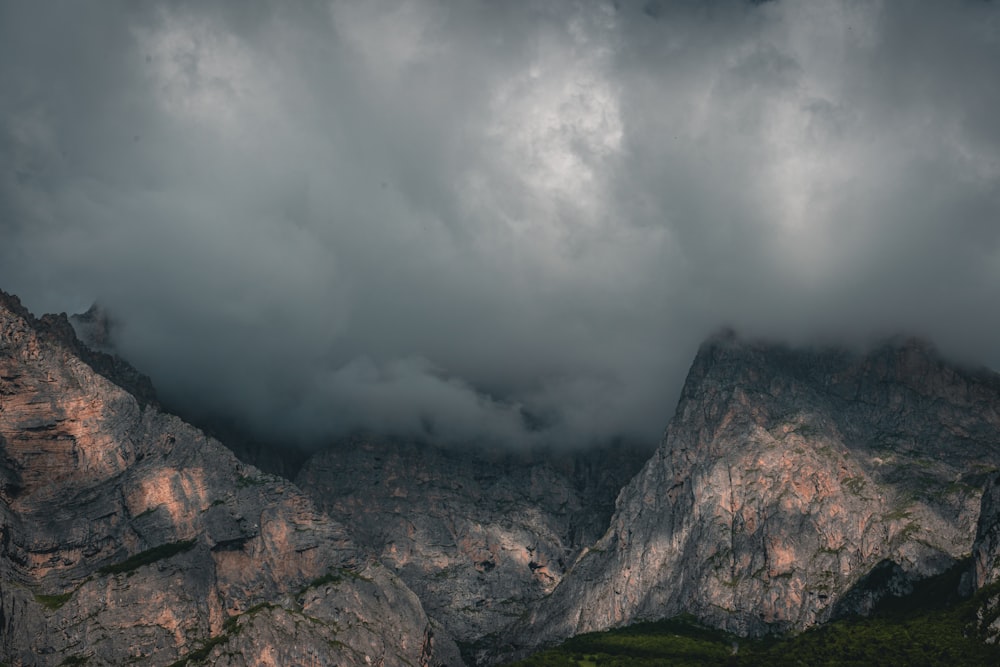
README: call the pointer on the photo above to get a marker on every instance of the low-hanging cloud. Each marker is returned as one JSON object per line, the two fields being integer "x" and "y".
{"x": 495, "y": 222}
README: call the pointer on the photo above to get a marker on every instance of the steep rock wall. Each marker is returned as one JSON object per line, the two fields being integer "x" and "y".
{"x": 785, "y": 477}
{"x": 127, "y": 535}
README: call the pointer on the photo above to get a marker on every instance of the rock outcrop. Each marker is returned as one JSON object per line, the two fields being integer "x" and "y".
{"x": 986, "y": 550}
{"x": 986, "y": 562}
{"x": 479, "y": 535}
{"x": 128, "y": 536}
{"x": 785, "y": 477}
{"x": 95, "y": 329}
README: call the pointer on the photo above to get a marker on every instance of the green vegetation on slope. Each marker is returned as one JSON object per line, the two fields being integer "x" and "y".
{"x": 677, "y": 641}
{"x": 148, "y": 556}
{"x": 230, "y": 628}
{"x": 932, "y": 626}
{"x": 53, "y": 601}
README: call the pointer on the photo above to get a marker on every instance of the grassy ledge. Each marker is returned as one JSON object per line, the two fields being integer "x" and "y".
{"x": 148, "y": 556}
{"x": 53, "y": 601}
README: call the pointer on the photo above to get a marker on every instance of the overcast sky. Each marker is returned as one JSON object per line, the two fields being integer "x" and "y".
{"x": 499, "y": 221}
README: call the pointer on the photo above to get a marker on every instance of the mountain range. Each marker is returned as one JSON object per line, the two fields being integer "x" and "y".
{"x": 792, "y": 487}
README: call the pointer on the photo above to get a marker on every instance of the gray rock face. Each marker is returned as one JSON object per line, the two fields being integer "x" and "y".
{"x": 478, "y": 535}
{"x": 986, "y": 561}
{"x": 127, "y": 535}
{"x": 986, "y": 550}
{"x": 95, "y": 329}
{"x": 783, "y": 479}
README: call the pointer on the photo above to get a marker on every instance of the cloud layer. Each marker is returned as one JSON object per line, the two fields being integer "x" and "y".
{"x": 496, "y": 222}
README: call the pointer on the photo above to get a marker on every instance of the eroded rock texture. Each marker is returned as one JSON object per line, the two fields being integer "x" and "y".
{"x": 784, "y": 478}
{"x": 128, "y": 536}
{"x": 986, "y": 562}
{"x": 478, "y": 535}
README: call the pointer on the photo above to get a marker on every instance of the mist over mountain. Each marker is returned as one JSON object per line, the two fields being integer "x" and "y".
{"x": 793, "y": 487}
{"x": 495, "y": 222}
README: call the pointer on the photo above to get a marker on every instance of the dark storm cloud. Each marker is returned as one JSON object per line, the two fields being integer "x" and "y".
{"x": 496, "y": 221}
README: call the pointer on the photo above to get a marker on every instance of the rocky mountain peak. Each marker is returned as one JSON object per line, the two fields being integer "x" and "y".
{"x": 56, "y": 332}
{"x": 95, "y": 328}
{"x": 728, "y": 356}
{"x": 11, "y": 307}
{"x": 784, "y": 478}
{"x": 128, "y": 536}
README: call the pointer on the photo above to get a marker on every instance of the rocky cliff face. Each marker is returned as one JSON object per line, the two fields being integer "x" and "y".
{"x": 783, "y": 479}
{"x": 478, "y": 535}
{"x": 986, "y": 561}
{"x": 791, "y": 487}
{"x": 986, "y": 549}
{"x": 128, "y": 536}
